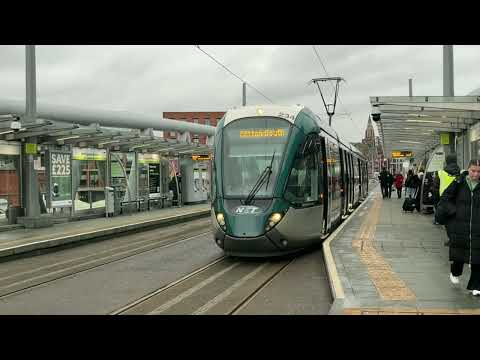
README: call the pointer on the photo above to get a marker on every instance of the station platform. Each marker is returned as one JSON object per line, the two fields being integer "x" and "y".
{"x": 382, "y": 261}
{"x": 27, "y": 240}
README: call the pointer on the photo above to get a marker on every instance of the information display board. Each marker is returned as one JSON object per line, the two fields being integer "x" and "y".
{"x": 154, "y": 180}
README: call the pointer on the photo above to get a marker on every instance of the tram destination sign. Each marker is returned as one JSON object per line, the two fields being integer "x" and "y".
{"x": 402, "y": 154}
{"x": 59, "y": 175}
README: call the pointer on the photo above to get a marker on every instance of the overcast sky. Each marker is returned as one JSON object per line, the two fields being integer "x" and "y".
{"x": 156, "y": 78}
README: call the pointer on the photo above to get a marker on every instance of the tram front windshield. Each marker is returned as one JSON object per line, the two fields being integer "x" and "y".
{"x": 249, "y": 146}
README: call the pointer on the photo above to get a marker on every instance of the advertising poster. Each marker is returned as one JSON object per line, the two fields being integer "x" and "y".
{"x": 154, "y": 180}
{"x": 60, "y": 178}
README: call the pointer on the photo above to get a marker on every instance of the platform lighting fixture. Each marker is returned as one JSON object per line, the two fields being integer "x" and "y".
{"x": 410, "y": 142}
{"x": 108, "y": 142}
{"x": 425, "y": 121}
{"x": 69, "y": 137}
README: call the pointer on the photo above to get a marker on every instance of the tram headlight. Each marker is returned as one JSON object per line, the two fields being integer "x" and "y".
{"x": 273, "y": 220}
{"x": 221, "y": 219}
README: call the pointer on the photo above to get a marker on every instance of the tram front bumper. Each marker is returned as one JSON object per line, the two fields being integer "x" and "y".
{"x": 260, "y": 246}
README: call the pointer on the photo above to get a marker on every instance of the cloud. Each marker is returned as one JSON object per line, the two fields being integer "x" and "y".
{"x": 157, "y": 78}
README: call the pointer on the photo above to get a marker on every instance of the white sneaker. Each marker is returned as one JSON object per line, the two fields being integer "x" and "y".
{"x": 476, "y": 292}
{"x": 454, "y": 279}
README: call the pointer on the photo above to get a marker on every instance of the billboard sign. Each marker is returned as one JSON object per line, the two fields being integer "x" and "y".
{"x": 59, "y": 172}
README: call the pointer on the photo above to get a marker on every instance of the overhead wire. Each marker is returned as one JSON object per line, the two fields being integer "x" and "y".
{"x": 231, "y": 72}
{"x": 326, "y": 73}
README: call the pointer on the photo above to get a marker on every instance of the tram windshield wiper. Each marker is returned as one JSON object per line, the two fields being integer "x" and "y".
{"x": 264, "y": 176}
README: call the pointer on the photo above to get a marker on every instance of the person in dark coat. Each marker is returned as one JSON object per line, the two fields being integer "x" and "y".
{"x": 177, "y": 179}
{"x": 390, "y": 181}
{"x": 383, "y": 182}
{"x": 409, "y": 189}
{"x": 459, "y": 210}
{"x": 444, "y": 178}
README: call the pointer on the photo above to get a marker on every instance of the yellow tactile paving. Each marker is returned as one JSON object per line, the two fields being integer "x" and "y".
{"x": 386, "y": 281}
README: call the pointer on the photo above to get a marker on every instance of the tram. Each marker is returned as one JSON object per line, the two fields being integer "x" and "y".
{"x": 282, "y": 180}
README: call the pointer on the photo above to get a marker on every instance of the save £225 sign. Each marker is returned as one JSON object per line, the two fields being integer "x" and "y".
{"x": 60, "y": 175}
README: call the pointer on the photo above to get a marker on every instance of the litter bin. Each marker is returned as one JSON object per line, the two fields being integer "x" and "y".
{"x": 13, "y": 212}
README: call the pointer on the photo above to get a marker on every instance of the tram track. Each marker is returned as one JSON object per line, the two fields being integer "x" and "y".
{"x": 225, "y": 286}
{"x": 13, "y": 281}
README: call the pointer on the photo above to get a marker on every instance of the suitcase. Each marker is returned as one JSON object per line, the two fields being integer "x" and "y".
{"x": 409, "y": 205}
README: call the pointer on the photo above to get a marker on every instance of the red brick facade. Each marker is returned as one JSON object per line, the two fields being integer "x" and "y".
{"x": 204, "y": 118}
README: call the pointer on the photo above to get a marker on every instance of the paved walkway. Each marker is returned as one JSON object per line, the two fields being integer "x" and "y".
{"x": 23, "y": 240}
{"x": 391, "y": 262}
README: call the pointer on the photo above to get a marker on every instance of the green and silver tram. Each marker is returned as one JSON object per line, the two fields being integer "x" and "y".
{"x": 282, "y": 180}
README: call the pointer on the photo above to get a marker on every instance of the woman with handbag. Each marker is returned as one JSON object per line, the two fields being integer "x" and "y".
{"x": 459, "y": 210}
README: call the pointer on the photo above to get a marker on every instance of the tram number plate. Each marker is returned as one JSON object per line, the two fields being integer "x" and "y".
{"x": 247, "y": 210}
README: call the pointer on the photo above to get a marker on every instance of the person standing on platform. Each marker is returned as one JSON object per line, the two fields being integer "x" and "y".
{"x": 409, "y": 182}
{"x": 444, "y": 178}
{"x": 383, "y": 182}
{"x": 390, "y": 181}
{"x": 459, "y": 210}
{"x": 399, "y": 184}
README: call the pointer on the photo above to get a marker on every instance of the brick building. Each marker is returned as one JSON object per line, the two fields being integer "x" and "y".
{"x": 205, "y": 118}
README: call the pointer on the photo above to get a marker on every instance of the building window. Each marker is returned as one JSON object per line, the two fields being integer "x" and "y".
{"x": 195, "y": 121}
{"x": 207, "y": 121}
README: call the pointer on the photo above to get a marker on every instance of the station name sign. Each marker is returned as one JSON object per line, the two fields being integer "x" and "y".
{"x": 401, "y": 154}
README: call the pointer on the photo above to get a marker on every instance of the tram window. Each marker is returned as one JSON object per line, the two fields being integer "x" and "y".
{"x": 303, "y": 182}
{"x": 250, "y": 146}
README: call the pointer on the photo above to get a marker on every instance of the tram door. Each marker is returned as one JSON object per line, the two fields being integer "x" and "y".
{"x": 344, "y": 182}
{"x": 351, "y": 181}
{"x": 325, "y": 180}
{"x": 356, "y": 181}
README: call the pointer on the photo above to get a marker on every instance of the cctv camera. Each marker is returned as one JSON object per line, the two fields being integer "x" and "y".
{"x": 375, "y": 114}
{"x": 15, "y": 125}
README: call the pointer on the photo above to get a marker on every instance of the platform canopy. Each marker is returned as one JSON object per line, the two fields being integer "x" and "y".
{"x": 415, "y": 123}
{"x": 116, "y": 130}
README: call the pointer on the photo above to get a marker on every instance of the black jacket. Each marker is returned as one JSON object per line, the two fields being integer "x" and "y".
{"x": 383, "y": 177}
{"x": 413, "y": 181}
{"x": 451, "y": 169}
{"x": 463, "y": 227}
{"x": 390, "y": 179}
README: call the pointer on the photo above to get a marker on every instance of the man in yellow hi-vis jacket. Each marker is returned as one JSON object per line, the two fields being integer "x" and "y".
{"x": 445, "y": 177}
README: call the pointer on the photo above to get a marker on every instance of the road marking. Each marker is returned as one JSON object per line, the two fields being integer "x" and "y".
{"x": 192, "y": 290}
{"x": 219, "y": 298}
